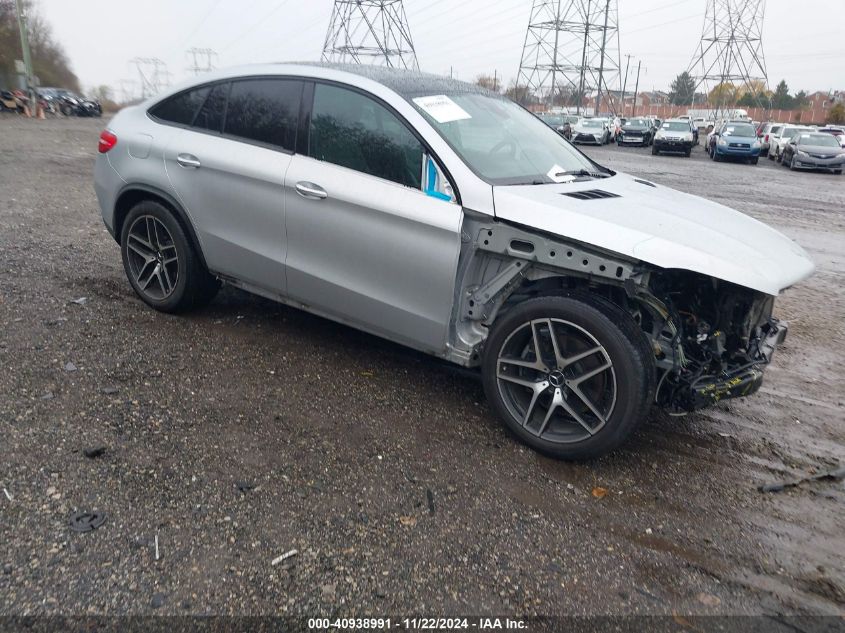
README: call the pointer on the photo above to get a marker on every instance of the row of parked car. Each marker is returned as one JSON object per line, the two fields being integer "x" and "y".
{"x": 674, "y": 135}
{"x": 795, "y": 146}
{"x": 51, "y": 101}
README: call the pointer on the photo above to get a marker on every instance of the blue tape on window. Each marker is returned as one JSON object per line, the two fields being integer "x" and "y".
{"x": 431, "y": 184}
{"x": 438, "y": 195}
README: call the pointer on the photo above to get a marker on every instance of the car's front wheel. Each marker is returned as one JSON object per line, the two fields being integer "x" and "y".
{"x": 571, "y": 376}
{"x": 160, "y": 262}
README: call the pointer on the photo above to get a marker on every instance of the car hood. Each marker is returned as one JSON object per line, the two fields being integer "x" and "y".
{"x": 740, "y": 139}
{"x": 660, "y": 226}
{"x": 628, "y": 128}
{"x": 588, "y": 130}
{"x": 821, "y": 149}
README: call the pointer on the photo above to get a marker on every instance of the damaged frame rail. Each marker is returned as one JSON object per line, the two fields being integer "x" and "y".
{"x": 496, "y": 260}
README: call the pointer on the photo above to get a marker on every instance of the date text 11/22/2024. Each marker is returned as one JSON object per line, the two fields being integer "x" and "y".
{"x": 417, "y": 624}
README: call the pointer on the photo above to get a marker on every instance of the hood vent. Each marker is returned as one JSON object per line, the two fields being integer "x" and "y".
{"x": 644, "y": 182}
{"x": 590, "y": 194}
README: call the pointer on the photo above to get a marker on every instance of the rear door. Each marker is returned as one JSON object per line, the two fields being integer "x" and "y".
{"x": 228, "y": 170}
{"x": 372, "y": 238}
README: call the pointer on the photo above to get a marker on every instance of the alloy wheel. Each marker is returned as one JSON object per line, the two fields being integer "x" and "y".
{"x": 153, "y": 258}
{"x": 557, "y": 380}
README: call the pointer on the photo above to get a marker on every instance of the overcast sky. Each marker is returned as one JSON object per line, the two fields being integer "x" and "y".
{"x": 803, "y": 46}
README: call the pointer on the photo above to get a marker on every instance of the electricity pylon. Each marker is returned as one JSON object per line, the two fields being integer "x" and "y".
{"x": 370, "y": 31}
{"x": 153, "y": 76}
{"x": 731, "y": 52}
{"x": 572, "y": 50}
{"x": 202, "y": 60}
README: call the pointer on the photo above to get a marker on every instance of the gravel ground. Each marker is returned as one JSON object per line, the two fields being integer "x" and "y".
{"x": 247, "y": 430}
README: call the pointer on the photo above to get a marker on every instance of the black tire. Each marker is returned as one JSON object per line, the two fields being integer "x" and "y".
{"x": 754, "y": 160}
{"x": 194, "y": 286}
{"x": 838, "y": 172}
{"x": 623, "y": 342}
{"x": 654, "y": 151}
{"x": 791, "y": 162}
{"x": 688, "y": 152}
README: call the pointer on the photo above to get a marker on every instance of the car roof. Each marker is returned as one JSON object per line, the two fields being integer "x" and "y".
{"x": 406, "y": 83}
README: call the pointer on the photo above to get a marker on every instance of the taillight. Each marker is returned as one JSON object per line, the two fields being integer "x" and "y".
{"x": 767, "y": 138}
{"x": 107, "y": 141}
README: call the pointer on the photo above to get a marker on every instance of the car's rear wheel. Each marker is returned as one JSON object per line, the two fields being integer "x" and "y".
{"x": 161, "y": 264}
{"x": 571, "y": 376}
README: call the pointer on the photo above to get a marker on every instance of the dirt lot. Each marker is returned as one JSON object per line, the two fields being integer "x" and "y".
{"x": 240, "y": 433}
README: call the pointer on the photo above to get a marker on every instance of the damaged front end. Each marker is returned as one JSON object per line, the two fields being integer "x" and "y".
{"x": 712, "y": 339}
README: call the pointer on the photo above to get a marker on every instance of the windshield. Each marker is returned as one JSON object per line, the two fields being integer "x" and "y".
{"x": 740, "y": 129}
{"x": 676, "y": 126}
{"x": 500, "y": 141}
{"x": 638, "y": 123}
{"x": 822, "y": 140}
{"x": 592, "y": 123}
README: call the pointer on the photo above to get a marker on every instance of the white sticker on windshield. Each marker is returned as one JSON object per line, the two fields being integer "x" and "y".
{"x": 557, "y": 174}
{"x": 442, "y": 108}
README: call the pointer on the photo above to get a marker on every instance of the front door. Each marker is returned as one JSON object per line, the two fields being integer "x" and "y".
{"x": 366, "y": 244}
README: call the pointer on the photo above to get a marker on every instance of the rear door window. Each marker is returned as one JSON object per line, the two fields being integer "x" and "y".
{"x": 211, "y": 114}
{"x": 181, "y": 108}
{"x": 264, "y": 110}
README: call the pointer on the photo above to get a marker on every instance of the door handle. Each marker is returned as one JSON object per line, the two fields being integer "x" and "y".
{"x": 310, "y": 190}
{"x": 188, "y": 160}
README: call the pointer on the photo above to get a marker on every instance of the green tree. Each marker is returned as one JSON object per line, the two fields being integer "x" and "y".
{"x": 800, "y": 100}
{"x": 782, "y": 100}
{"x": 682, "y": 90}
{"x": 49, "y": 61}
{"x": 836, "y": 114}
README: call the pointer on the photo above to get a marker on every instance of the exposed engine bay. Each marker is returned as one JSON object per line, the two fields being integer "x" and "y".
{"x": 711, "y": 338}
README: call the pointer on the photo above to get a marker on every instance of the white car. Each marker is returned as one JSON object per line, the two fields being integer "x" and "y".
{"x": 447, "y": 218}
{"x": 766, "y": 133}
{"x": 779, "y": 140}
{"x": 594, "y": 131}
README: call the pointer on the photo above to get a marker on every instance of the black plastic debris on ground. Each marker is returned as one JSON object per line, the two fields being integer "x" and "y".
{"x": 86, "y": 521}
{"x": 93, "y": 453}
{"x": 838, "y": 474}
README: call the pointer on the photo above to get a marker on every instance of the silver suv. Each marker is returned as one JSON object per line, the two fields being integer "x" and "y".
{"x": 447, "y": 218}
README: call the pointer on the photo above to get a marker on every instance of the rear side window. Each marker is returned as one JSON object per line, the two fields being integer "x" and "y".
{"x": 264, "y": 110}
{"x": 354, "y": 131}
{"x": 211, "y": 114}
{"x": 181, "y": 108}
